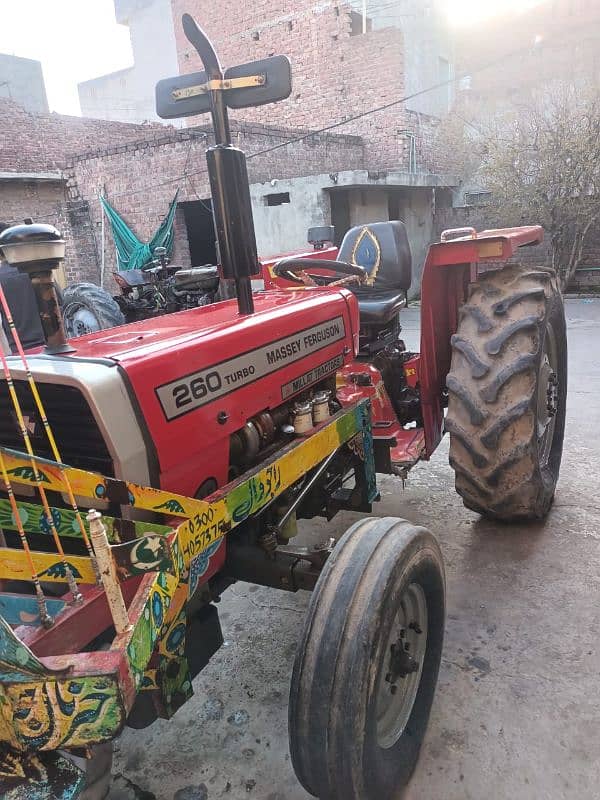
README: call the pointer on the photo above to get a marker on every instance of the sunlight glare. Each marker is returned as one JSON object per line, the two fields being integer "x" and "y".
{"x": 468, "y": 12}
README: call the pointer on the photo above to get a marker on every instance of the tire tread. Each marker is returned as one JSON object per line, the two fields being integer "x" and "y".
{"x": 492, "y": 386}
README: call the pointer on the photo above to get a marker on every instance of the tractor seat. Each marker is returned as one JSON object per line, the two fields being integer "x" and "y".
{"x": 378, "y": 307}
{"x": 383, "y": 251}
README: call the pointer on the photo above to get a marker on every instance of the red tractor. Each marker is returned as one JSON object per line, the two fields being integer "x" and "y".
{"x": 245, "y": 416}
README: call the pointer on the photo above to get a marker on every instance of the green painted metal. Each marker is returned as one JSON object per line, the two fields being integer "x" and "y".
{"x": 16, "y": 657}
{"x": 43, "y": 776}
{"x": 34, "y": 520}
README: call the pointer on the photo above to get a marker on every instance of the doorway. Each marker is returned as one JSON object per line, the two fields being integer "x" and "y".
{"x": 200, "y": 231}
{"x": 340, "y": 214}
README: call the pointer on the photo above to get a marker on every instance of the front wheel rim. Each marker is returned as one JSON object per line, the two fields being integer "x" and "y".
{"x": 400, "y": 675}
{"x": 79, "y": 320}
{"x": 547, "y": 397}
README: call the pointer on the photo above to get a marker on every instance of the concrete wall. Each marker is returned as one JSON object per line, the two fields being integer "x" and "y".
{"x": 22, "y": 81}
{"x": 113, "y": 97}
{"x": 128, "y": 95}
{"x": 283, "y": 227}
{"x": 417, "y": 213}
{"x": 415, "y": 209}
{"x": 368, "y": 206}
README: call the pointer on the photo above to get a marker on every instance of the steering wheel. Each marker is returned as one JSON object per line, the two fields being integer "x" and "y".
{"x": 294, "y": 269}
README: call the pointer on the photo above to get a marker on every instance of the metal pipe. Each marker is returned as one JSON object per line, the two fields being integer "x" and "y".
{"x": 102, "y": 247}
{"x": 49, "y": 311}
{"x": 306, "y": 489}
{"x": 219, "y": 114}
{"x": 108, "y": 572}
{"x": 228, "y": 175}
{"x": 243, "y": 288}
{"x": 214, "y": 72}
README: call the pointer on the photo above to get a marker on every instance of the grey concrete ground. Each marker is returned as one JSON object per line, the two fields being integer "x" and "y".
{"x": 517, "y": 710}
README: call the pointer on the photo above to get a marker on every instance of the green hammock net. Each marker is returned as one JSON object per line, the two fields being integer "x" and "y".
{"x": 131, "y": 253}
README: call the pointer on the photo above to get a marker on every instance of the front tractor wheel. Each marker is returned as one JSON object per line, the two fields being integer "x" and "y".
{"x": 367, "y": 664}
{"x": 507, "y": 394}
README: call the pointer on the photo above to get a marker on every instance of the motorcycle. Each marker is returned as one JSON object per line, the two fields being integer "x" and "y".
{"x": 158, "y": 289}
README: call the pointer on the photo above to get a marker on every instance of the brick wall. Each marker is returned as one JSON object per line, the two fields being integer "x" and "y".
{"x": 44, "y": 201}
{"x": 41, "y": 142}
{"x": 335, "y": 75}
{"x": 20, "y": 199}
{"x": 140, "y": 179}
{"x": 139, "y": 167}
{"x": 31, "y": 143}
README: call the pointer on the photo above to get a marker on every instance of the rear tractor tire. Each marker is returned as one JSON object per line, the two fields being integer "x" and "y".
{"x": 87, "y": 308}
{"x": 507, "y": 391}
{"x": 367, "y": 664}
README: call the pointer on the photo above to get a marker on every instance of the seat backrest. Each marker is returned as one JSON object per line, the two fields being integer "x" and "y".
{"x": 133, "y": 277}
{"x": 382, "y": 249}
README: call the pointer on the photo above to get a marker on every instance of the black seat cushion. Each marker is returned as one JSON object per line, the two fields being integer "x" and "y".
{"x": 378, "y": 307}
{"x": 382, "y": 249}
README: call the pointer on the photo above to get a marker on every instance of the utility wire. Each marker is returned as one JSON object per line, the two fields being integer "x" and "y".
{"x": 347, "y": 120}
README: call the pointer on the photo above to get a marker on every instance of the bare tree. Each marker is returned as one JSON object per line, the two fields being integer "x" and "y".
{"x": 541, "y": 161}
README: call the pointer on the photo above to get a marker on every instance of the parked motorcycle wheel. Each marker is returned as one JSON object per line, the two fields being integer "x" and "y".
{"x": 87, "y": 308}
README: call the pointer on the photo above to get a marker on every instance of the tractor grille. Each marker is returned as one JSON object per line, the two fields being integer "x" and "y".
{"x": 77, "y": 435}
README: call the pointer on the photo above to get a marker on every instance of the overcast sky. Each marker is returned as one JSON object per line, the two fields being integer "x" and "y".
{"x": 79, "y": 39}
{"x": 74, "y": 39}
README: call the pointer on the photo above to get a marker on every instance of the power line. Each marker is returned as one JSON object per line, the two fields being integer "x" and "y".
{"x": 347, "y": 120}
{"x": 434, "y": 87}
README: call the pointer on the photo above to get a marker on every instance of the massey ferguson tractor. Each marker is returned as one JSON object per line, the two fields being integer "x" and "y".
{"x": 148, "y": 467}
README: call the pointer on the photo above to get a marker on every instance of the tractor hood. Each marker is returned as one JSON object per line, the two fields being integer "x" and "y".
{"x": 197, "y": 327}
{"x": 199, "y": 375}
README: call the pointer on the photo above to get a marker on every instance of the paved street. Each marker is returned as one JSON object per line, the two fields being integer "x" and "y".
{"x": 516, "y": 715}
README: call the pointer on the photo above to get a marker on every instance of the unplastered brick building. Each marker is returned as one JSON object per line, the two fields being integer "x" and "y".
{"x": 36, "y": 150}
{"x": 345, "y": 63}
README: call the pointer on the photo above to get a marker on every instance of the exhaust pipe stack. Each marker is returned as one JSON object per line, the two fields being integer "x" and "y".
{"x": 229, "y": 185}
{"x": 215, "y": 90}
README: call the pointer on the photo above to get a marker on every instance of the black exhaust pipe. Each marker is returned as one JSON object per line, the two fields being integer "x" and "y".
{"x": 234, "y": 225}
{"x": 230, "y": 188}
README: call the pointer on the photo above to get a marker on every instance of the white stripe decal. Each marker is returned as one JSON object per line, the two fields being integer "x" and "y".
{"x": 196, "y": 390}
